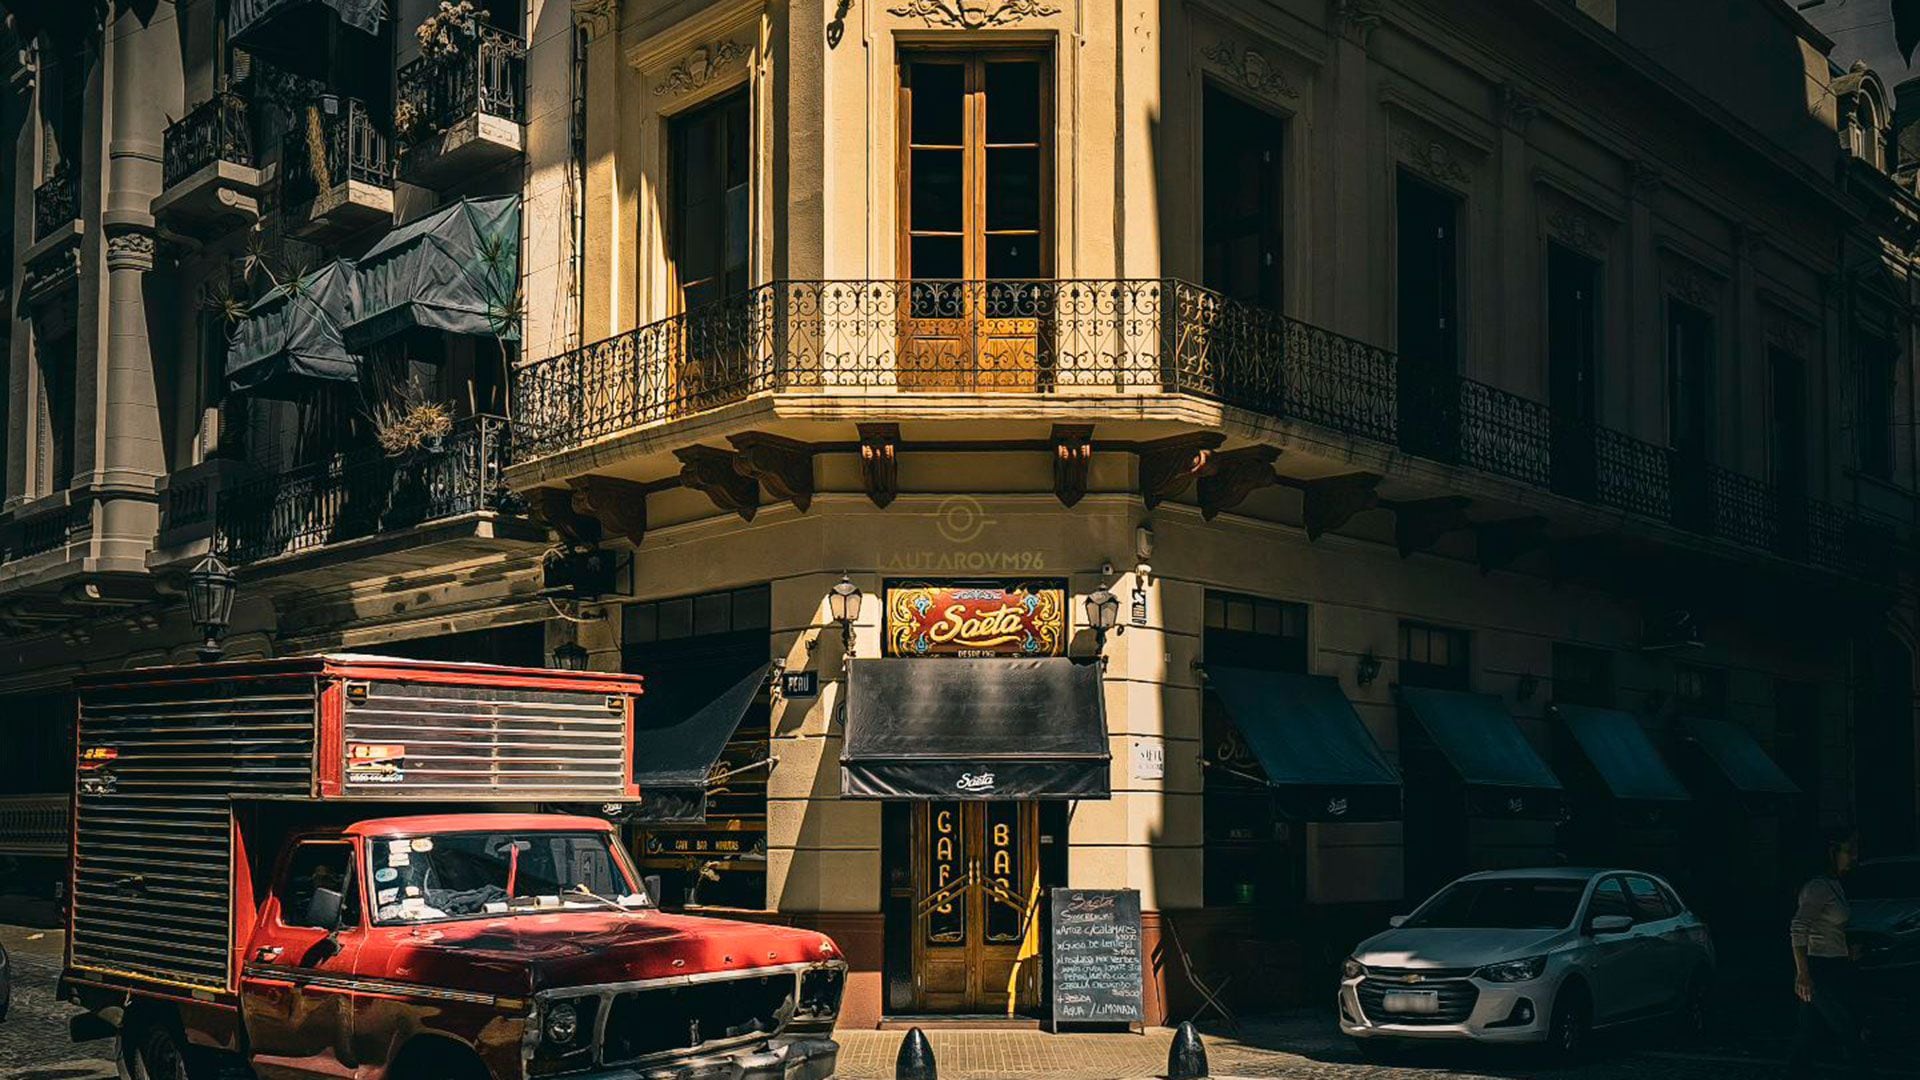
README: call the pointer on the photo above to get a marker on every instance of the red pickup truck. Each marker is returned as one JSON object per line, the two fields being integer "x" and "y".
{"x": 331, "y": 867}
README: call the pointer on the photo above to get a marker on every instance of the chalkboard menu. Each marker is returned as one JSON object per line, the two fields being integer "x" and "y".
{"x": 1097, "y": 969}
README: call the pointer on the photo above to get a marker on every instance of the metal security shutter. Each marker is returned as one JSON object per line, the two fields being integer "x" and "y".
{"x": 483, "y": 741}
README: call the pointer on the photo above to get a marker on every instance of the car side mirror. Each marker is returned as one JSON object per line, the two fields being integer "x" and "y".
{"x": 323, "y": 909}
{"x": 1609, "y": 924}
{"x": 1397, "y": 921}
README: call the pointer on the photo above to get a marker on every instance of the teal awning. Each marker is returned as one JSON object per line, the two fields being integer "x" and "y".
{"x": 1619, "y": 750}
{"x": 1479, "y": 739}
{"x": 1739, "y": 758}
{"x": 455, "y": 270}
{"x": 290, "y": 337}
{"x": 1310, "y": 743}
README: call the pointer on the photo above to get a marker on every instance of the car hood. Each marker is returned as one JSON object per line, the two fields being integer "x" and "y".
{"x": 1896, "y": 916}
{"x": 1425, "y": 947}
{"x": 545, "y": 952}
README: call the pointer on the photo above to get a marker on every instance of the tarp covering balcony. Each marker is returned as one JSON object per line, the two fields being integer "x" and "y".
{"x": 1738, "y": 757}
{"x": 455, "y": 270}
{"x": 290, "y": 338}
{"x": 680, "y": 731}
{"x": 1614, "y": 743}
{"x": 1503, "y": 774}
{"x": 248, "y": 19}
{"x": 1312, "y": 747}
{"x": 974, "y": 729}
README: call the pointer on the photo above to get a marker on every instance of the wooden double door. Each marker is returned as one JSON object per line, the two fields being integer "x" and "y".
{"x": 976, "y": 890}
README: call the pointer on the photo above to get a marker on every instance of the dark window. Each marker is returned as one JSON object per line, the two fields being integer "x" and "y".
{"x": 1428, "y": 277}
{"x": 1435, "y": 657}
{"x": 1649, "y": 903}
{"x": 1241, "y": 206}
{"x": 1254, "y": 632}
{"x": 1609, "y": 899}
{"x": 1573, "y": 341}
{"x": 318, "y": 865}
{"x": 515, "y": 646}
{"x": 1873, "y": 406}
{"x": 1690, "y": 345}
{"x": 57, "y": 360}
{"x": 1701, "y": 691}
{"x": 1502, "y": 904}
{"x": 1582, "y": 676}
{"x": 976, "y": 168}
{"x": 1788, "y": 450}
{"x": 711, "y": 149}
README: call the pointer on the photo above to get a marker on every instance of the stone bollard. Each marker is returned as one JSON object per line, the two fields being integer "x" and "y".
{"x": 916, "y": 1057}
{"x": 1186, "y": 1058}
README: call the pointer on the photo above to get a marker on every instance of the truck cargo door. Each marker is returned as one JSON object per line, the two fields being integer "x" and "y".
{"x": 296, "y": 988}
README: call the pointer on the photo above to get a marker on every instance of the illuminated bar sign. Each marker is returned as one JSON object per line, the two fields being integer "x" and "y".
{"x": 976, "y": 618}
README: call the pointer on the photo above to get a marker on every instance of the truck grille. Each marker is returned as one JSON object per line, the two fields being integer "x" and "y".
{"x": 687, "y": 1018}
{"x": 1457, "y": 997}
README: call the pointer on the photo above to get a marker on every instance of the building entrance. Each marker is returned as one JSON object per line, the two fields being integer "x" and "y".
{"x": 976, "y": 883}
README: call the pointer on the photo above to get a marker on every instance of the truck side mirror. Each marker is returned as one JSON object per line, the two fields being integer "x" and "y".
{"x": 651, "y": 883}
{"x": 323, "y": 909}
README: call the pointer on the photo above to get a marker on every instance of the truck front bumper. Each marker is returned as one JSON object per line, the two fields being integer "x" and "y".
{"x": 802, "y": 1059}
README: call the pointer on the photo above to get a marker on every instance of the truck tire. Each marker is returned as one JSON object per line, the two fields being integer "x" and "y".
{"x": 152, "y": 1050}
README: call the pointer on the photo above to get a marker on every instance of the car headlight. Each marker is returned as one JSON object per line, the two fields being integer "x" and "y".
{"x": 563, "y": 1024}
{"x": 1352, "y": 969}
{"x": 1513, "y": 971}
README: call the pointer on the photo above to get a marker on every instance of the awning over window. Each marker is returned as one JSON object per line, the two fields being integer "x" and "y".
{"x": 290, "y": 337}
{"x": 1614, "y": 743}
{"x": 1315, "y": 752}
{"x": 455, "y": 270}
{"x": 679, "y": 733}
{"x": 1740, "y": 759}
{"x": 974, "y": 729}
{"x": 247, "y": 18}
{"x": 1479, "y": 740}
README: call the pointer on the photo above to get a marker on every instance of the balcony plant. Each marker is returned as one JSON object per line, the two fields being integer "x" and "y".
{"x": 445, "y": 36}
{"x": 406, "y": 427}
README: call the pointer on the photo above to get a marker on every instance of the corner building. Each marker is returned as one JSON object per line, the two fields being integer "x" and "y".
{"x": 1494, "y": 439}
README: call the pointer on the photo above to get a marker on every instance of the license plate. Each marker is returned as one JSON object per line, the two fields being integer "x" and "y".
{"x": 1419, "y": 1002}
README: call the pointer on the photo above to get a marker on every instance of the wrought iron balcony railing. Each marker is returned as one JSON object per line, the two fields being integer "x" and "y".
{"x": 218, "y": 129}
{"x": 56, "y": 202}
{"x": 365, "y": 494}
{"x": 336, "y": 142}
{"x": 1144, "y": 337}
{"x": 486, "y": 76}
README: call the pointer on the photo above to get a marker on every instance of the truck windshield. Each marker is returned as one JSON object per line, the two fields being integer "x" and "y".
{"x": 459, "y": 875}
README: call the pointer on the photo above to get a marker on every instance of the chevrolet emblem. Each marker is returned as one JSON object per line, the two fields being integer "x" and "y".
{"x": 1413, "y": 977}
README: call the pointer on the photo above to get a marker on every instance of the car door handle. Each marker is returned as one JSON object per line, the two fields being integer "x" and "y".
{"x": 266, "y": 954}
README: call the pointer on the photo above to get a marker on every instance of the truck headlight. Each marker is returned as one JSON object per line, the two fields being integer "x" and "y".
{"x": 563, "y": 1024}
{"x": 1513, "y": 971}
{"x": 1352, "y": 969}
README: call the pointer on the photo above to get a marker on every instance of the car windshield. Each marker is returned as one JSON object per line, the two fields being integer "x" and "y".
{"x": 1885, "y": 881}
{"x": 458, "y": 875}
{"x": 1502, "y": 904}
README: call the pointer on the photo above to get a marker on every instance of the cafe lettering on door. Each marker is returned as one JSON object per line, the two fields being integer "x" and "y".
{"x": 976, "y": 618}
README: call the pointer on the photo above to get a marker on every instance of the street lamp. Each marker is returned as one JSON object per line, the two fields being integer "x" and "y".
{"x": 1103, "y": 613}
{"x": 843, "y": 606}
{"x": 570, "y": 657}
{"x": 210, "y": 589}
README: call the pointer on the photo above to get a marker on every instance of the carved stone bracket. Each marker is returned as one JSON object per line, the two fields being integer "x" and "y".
{"x": 1418, "y": 525}
{"x": 1431, "y": 155}
{"x": 1786, "y": 332}
{"x": 1355, "y": 20}
{"x": 1499, "y": 543}
{"x": 1576, "y": 230}
{"x": 972, "y": 14}
{"x": 879, "y": 462}
{"x": 130, "y": 249}
{"x": 595, "y": 17}
{"x": 783, "y": 466}
{"x": 1693, "y": 284}
{"x": 701, "y": 67}
{"x": 1250, "y": 68}
{"x": 1169, "y": 466}
{"x": 712, "y": 472}
{"x": 1332, "y": 502}
{"x": 1235, "y": 474}
{"x": 553, "y": 507}
{"x": 1517, "y": 108}
{"x": 1645, "y": 179}
{"x": 1072, "y": 456}
{"x": 620, "y": 506}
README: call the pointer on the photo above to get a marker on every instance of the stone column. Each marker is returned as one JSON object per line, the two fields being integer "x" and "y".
{"x": 24, "y": 157}
{"x": 1743, "y": 391}
{"x": 1645, "y": 336}
{"x": 1348, "y": 144}
{"x": 1521, "y": 369}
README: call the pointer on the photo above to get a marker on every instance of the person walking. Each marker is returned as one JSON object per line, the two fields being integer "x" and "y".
{"x": 1823, "y": 961}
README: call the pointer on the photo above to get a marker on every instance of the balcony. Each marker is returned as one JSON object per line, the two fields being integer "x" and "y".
{"x": 369, "y": 514}
{"x": 461, "y": 114}
{"x": 210, "y": 171}
{"x": 1139, "y": 344}
{"x": 336, "y": 170}
{"x": 56, "y": 203}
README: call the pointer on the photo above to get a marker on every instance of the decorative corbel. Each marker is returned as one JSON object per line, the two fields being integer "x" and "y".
{"x": 620, "y": 506}
{"x": 1169, "y": 466}
{"x": 1072, "y": 455}
{"x": 595, "y": 18}
{"x": 553, "y": 507}
{"x": 1420, "y": 524}
{"x": 783, "y": 466}
{"x": 1234, "y": 475}
{"x": 711, "y": 471}
{"x": 1333, "y": 501}
{"x": 879, "y": 465}
{"x": 1499, "y": 543}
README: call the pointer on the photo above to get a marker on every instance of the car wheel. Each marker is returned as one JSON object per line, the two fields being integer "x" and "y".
{"x": 1572, "y": 1023}
{"x": 1693, "y": 1008}
{"x": 152, "y": 1052}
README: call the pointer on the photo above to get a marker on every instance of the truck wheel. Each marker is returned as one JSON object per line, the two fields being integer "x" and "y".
{"x": 152, "y": 1052}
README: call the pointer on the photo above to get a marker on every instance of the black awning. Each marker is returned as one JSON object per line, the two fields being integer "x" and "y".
{"x": 290, "y": 338}
{"x": 1738, "y": 757}
{"x": 974, "y": 729}
{"x": 1310, "y": 744}
{"x": 246, "y": 19}
{"x": 679, "y": 733}
{"x": 455, "y": 271}
{"x": 1617, "y": 747}
{"x": 1486, "y": 750}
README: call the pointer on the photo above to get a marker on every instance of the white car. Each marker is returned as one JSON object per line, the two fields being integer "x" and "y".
{"x": 1529, "y": 956}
